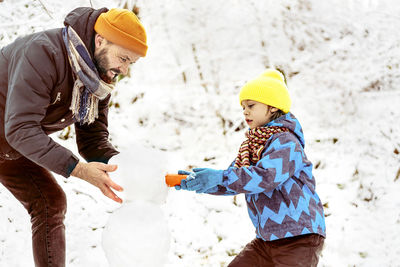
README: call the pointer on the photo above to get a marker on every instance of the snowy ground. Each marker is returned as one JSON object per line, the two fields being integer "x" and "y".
{"x": 341, "y": 61}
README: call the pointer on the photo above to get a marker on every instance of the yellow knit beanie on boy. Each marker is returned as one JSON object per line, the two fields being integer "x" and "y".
{"x": 269, "y": 88}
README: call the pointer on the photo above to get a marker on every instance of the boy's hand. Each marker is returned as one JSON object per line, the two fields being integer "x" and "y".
{"x": 190, "y": 175}
{"x": 204, "y": 179}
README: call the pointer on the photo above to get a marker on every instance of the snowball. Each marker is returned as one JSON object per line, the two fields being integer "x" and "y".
{"x": 141, "y": 172}
{"x": 137, "y": 235}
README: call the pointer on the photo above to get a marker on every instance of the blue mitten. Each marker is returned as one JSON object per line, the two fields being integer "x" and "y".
{"x": 204, "y": 179}
{"x": 190, "y": 175}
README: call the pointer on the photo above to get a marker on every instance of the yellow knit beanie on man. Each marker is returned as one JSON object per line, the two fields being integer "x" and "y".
{"x": 122, "y": 27}
{"x": 269, "y": 88}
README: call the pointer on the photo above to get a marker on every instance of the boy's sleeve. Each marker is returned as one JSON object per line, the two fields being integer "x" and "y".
{"x": 282, "y": 159}
{"x": 221, "y": 190}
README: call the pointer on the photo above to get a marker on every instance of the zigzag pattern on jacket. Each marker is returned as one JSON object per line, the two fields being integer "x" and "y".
{"x": 280, "y": 187}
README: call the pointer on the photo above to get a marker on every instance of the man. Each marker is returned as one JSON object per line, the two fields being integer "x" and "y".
{"x": 49, "y": 80}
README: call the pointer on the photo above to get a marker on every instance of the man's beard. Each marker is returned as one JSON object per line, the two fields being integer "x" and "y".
{"x": 101, "y": 63}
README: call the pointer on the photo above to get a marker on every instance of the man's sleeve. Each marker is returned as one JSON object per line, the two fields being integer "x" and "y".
{"x": 32, "y": 75}
{"x": 92, "y": 139}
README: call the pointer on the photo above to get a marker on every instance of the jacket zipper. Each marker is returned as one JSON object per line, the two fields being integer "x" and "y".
{"x": 58, "y": 98}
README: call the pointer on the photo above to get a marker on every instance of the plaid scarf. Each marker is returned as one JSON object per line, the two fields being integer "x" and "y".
{"x": 89, "y": 88}
{"x": 251, "y": 149}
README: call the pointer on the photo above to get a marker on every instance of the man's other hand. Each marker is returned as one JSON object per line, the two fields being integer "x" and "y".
{"x": 96, "y": 173}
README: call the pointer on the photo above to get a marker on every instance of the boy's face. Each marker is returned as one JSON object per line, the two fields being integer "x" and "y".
{"x": 257, "y": 114}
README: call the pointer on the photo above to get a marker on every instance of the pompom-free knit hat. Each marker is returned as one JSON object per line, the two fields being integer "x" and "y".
{"x": 122, "y": 27}
{"x": 269, "y": 88}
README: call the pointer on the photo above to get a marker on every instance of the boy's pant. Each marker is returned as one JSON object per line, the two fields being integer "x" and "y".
{"x": 302, "y": 251}
{"x": 45, "y": 201}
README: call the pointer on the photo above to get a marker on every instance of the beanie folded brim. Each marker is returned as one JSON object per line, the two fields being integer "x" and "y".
{"x": 116, "y": 36}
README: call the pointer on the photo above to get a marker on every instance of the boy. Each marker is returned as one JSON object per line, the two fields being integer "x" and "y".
{"x": 273, "y": 172}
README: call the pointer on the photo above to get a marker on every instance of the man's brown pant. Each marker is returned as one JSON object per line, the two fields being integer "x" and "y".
{"x": 302, "y": 251}
{"x": 45, "y": 201}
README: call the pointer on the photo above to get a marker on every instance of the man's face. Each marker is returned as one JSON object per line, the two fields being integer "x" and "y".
{"x": 112, "y": 60}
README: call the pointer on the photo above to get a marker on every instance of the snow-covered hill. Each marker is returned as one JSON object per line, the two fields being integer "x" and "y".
{"x": 341, "y": 60}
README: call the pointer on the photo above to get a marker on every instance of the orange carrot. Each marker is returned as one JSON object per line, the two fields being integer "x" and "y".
{"x": 174, "y": 179}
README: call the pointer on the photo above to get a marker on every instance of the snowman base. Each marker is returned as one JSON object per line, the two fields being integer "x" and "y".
{"x": 137, "y": 234}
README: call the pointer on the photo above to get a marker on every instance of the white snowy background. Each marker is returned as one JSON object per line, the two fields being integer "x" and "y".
{"x": 341, "y": 60}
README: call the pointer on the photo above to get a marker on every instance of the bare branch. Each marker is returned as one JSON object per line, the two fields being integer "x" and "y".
{"x": 44, "y": 7}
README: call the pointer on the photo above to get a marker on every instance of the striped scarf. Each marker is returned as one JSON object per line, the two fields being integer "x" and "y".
{"x": 251, "y": 149}
{"x": 89, "y": 88}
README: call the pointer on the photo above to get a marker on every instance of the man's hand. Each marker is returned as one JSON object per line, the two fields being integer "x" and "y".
{"x": 96, "y": 173}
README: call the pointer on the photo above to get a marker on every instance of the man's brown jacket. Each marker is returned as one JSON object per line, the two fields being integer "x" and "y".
{"x": 35, "y": 95}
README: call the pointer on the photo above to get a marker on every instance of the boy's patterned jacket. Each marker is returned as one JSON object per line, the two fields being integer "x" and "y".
{"x": 280, "y": 187}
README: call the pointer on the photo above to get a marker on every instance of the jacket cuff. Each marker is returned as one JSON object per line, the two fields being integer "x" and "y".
{"x": 71, "y": 164}
{"x": 103, "y": 158}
